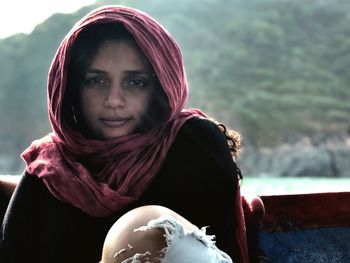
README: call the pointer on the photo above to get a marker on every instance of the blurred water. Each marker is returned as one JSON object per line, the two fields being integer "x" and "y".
{"x": 282, "y": 185}
{"x": 292, "y": 185}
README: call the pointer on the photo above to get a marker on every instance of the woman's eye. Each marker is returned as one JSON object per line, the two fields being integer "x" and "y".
{"x": 136, "y": 83}
{"x": 95, "y": 82}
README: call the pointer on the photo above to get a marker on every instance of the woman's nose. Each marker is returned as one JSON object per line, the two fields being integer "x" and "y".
{"x": 115, "y": 98}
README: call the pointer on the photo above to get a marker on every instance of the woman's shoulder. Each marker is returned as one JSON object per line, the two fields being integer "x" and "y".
{"x": 30, "y": 179}
{"x": 29, "y": 185}
{"x": 201, "y": 136}
{"x": 201, "y": 128}
{"x": 8, "y": 183}
{"x": 201, "y": 152}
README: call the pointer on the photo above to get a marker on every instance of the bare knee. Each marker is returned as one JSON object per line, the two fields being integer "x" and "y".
{"x": 123, "y": 242}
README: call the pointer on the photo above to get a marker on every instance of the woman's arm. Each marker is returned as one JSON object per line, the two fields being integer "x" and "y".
{"x": 199, "y": 181}
{"x": 8, "y": 184}
{"x": 19, "y": 229}
{"x": 214, "y": 183}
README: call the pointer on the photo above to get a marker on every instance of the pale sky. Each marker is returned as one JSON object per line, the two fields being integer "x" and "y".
{"x": 23, "y": 15}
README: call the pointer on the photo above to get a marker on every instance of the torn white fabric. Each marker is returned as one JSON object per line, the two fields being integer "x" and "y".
{"x": 138, "y": 257}
{"x": 183, "y": 246}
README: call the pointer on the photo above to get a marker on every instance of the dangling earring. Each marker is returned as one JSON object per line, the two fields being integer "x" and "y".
{"x": 74, "y": 117}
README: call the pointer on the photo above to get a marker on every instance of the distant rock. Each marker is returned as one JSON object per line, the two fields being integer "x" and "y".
{"x": 301, "y": 159}
{"x": 341, "y": 157}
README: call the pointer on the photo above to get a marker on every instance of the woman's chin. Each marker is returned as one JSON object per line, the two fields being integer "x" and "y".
{"x": 112, "y": 134}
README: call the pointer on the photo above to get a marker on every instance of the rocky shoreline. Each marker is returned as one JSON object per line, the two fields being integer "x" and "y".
{"x": 305, "y": 158}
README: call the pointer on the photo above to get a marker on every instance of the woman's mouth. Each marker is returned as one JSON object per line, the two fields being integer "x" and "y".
{"x": 114, "y": 122}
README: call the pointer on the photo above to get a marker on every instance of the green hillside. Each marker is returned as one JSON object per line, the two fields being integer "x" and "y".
{"x": 272, "y": 69}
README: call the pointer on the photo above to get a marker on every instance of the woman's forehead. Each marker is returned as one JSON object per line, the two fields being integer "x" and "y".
{"x": 123, "y": 54}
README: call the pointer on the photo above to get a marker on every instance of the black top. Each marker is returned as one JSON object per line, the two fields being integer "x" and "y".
{"x": 198, "y": 180}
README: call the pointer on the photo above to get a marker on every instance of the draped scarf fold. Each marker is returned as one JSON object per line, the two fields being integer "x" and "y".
{"x": 129, "y": 162}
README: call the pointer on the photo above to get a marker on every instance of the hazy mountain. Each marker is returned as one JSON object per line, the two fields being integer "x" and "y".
{"x": 276, "y": 70}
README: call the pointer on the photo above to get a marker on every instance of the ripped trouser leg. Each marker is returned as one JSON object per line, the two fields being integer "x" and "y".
{"x": 182, "y": 246}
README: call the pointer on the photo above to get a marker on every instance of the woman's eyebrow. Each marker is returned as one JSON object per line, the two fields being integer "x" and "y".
{"x": 127, "y": 72}
{"x": 131, "y": 72}
{"x": 96, "y": 71}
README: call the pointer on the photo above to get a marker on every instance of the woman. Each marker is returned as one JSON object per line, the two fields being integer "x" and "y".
{"x": 121, "y": 142}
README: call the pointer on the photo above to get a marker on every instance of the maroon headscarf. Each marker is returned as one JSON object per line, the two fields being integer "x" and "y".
{"x": 130, "y": 162}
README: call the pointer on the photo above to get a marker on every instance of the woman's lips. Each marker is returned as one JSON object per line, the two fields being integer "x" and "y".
{"x": 114, "y": 122}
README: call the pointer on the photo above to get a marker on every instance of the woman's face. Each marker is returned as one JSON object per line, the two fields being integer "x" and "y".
{"x": 116, "y": 90}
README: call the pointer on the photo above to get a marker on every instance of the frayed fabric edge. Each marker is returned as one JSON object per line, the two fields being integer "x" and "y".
{"x": 170, "y": 225}
{"x": 173, "y": 228}
{"x": 137, "y": 258}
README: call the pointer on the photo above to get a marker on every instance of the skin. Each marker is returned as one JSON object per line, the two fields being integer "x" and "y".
{"x": 116, "y": 91}
{"x": 121, "y": 236}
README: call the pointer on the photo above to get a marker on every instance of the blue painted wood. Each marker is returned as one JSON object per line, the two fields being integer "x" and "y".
{"x": 321, "y": 245}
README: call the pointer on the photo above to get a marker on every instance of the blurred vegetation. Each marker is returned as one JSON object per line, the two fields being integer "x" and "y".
{"x": 272, "y": 69}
